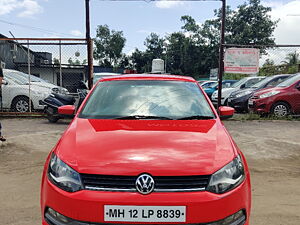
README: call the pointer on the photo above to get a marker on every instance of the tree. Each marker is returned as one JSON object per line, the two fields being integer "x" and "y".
{"x": 292, "y": 58}
{"x": 108, "y": 46}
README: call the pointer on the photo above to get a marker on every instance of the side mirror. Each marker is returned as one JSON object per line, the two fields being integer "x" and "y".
{"x": 298, "y": 86}
{"x": 226, "y": 112}
{"x": 4, "y": 82}
{"x": 243, "y": 86}
{"x": 66, "y": 110}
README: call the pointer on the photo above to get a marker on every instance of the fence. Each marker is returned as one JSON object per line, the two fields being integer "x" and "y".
{"x": 34, "y": 68}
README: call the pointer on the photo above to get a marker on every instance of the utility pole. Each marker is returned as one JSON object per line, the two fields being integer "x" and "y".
{"x": 221, "y": 54}
{"x": 89, "y": 43}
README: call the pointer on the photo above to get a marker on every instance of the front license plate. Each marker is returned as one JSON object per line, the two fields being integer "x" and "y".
{"x": 144, "y": 213}
{"x": 250, "y": 102}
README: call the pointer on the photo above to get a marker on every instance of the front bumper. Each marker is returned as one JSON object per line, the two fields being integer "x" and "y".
{"x": 239, "y": 104}
{"x": 261, "y": 106}
{"x": 202, "y": 207}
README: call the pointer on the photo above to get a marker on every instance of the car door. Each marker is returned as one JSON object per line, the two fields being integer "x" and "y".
{"x": 6, "y": 95}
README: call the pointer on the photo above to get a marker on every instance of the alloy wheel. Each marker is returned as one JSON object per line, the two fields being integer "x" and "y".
{"x": 280, "y": 111}
{"x": 22, "y": 106}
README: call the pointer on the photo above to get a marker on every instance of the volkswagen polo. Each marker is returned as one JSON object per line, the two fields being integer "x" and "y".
{"x": 146, "y": 149}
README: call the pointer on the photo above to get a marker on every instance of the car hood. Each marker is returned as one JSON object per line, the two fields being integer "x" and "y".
{"x": 45, "y": 85}
{"x": 132, "y": 147}
{"x": 250, "y": 90}
{"x": 33, "y": 88}
{"x": 265, "y": 90}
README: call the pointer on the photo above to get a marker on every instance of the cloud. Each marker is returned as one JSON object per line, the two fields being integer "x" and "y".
{"x": 76, "y": 33}
{"x": 168, "y": 4}
{"x": 287, "y": 31}
{"x": 27, "y": 8}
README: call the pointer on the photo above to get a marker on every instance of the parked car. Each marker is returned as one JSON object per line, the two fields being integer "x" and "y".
{"x": 225, "y": 84}
{"x": 280, "y": 100}
{"x": 146, "y": 149}
{"x": 241, "y": 84}
{"x": 239, "y": 99}
{"x": 36, "y": 81}
{"x": 207, "y": 84}
{"x": 15, "y": 95}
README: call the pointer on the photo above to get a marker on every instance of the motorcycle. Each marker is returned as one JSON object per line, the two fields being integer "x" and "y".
{"x": 55, "y": 100}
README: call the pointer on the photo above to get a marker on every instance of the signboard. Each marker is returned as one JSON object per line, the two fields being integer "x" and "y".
{"x": 214, "y": 74}
{"x": 241, "y": 60}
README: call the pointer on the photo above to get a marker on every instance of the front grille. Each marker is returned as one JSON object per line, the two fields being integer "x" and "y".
{"x": 162, "y": 183}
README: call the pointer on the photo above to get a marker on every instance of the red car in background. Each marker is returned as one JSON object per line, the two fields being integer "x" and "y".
{"x": 281, "y": 100}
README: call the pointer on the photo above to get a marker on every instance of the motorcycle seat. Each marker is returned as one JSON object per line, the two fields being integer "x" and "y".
{"x": 65, "y": 98}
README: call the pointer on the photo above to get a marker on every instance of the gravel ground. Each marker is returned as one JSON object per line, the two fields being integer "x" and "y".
{"x": 272, "y": 149}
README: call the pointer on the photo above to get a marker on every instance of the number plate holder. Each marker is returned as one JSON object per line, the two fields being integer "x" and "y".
{"x": 126, "y": 213}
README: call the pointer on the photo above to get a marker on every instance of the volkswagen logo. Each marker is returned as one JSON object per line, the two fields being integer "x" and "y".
{"x": 144, "y": 184}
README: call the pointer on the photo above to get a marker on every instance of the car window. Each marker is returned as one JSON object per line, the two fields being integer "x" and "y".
{"x": 290, "y": 81}
{"x": 276, "y": 81}
{"x": 251, "y": 82}
{"x": 239, "y": 83}
{"x": 208, "y": 84}
{"x": 172, "y": 99}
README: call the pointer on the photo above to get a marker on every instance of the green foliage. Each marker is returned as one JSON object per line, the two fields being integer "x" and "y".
{"x": 193, "y": 50}
{"x": 108, "y": 46}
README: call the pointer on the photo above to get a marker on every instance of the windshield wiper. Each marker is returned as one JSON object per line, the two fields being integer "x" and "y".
{"x": 197, "y": 117}
{"x": 141, "y": 117}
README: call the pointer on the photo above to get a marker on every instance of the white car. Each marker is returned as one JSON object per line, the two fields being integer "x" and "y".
{"x": 98, "y": 76}
{"x": 243, "y": 83}
{"x": 36, "y": 81}
{"x": 15, "y": 95}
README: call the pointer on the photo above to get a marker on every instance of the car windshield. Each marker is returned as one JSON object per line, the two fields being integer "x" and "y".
{"x": 20, "y": 81}
{"x": 208, "y": 84}
{"x": 289, "y": 81}
{"x": 225, "y": 84}
{"x": 262, "y": 83}
{"x": 146, "y": 98}
{"x": 239, "y": 83}
{"x": 26, "y": 76}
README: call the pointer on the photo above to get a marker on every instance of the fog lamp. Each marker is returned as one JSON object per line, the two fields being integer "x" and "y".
{"x": 238, "y": 218}
{"x": 56, "y": 218}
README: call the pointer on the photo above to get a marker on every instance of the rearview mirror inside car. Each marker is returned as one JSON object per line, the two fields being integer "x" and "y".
{"x": 66, "y": 110}
{"x": 226, "y": 112}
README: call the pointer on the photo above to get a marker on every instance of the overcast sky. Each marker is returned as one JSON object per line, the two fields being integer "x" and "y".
{"x": 66, "y": 18}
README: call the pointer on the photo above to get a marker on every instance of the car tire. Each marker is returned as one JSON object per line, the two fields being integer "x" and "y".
{"x": 226, "y": 102}
{"x": 21, "y": 104}
{"x": 52, "y": 119}
{"x": 280, "y": 109}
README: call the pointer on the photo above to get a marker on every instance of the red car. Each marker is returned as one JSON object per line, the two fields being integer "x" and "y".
{"x": 146, "y": 149}
{"x": 280, "y": 100}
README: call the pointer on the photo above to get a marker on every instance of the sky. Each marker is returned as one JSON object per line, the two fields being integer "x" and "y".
{"x": 137, "y": 19}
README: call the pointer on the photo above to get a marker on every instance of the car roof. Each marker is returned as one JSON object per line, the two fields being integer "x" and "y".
{"x": 149, "y": 77}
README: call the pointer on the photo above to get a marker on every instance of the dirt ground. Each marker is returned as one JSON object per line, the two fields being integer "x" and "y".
{"x": 272, "y": 149}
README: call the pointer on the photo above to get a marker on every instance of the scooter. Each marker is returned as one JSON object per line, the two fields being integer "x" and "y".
{"x": 55, "y": 100}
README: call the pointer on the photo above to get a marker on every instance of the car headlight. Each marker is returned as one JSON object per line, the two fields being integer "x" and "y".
{"x": 243, "y": 94}
{"x": 63, "y": 176}
{"x": 227, "y": 178}
{"x": 269, "y": 94}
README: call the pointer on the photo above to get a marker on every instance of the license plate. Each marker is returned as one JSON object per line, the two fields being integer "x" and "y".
{"x": 144, "y": 213}
{"x": 250, "y": 102}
